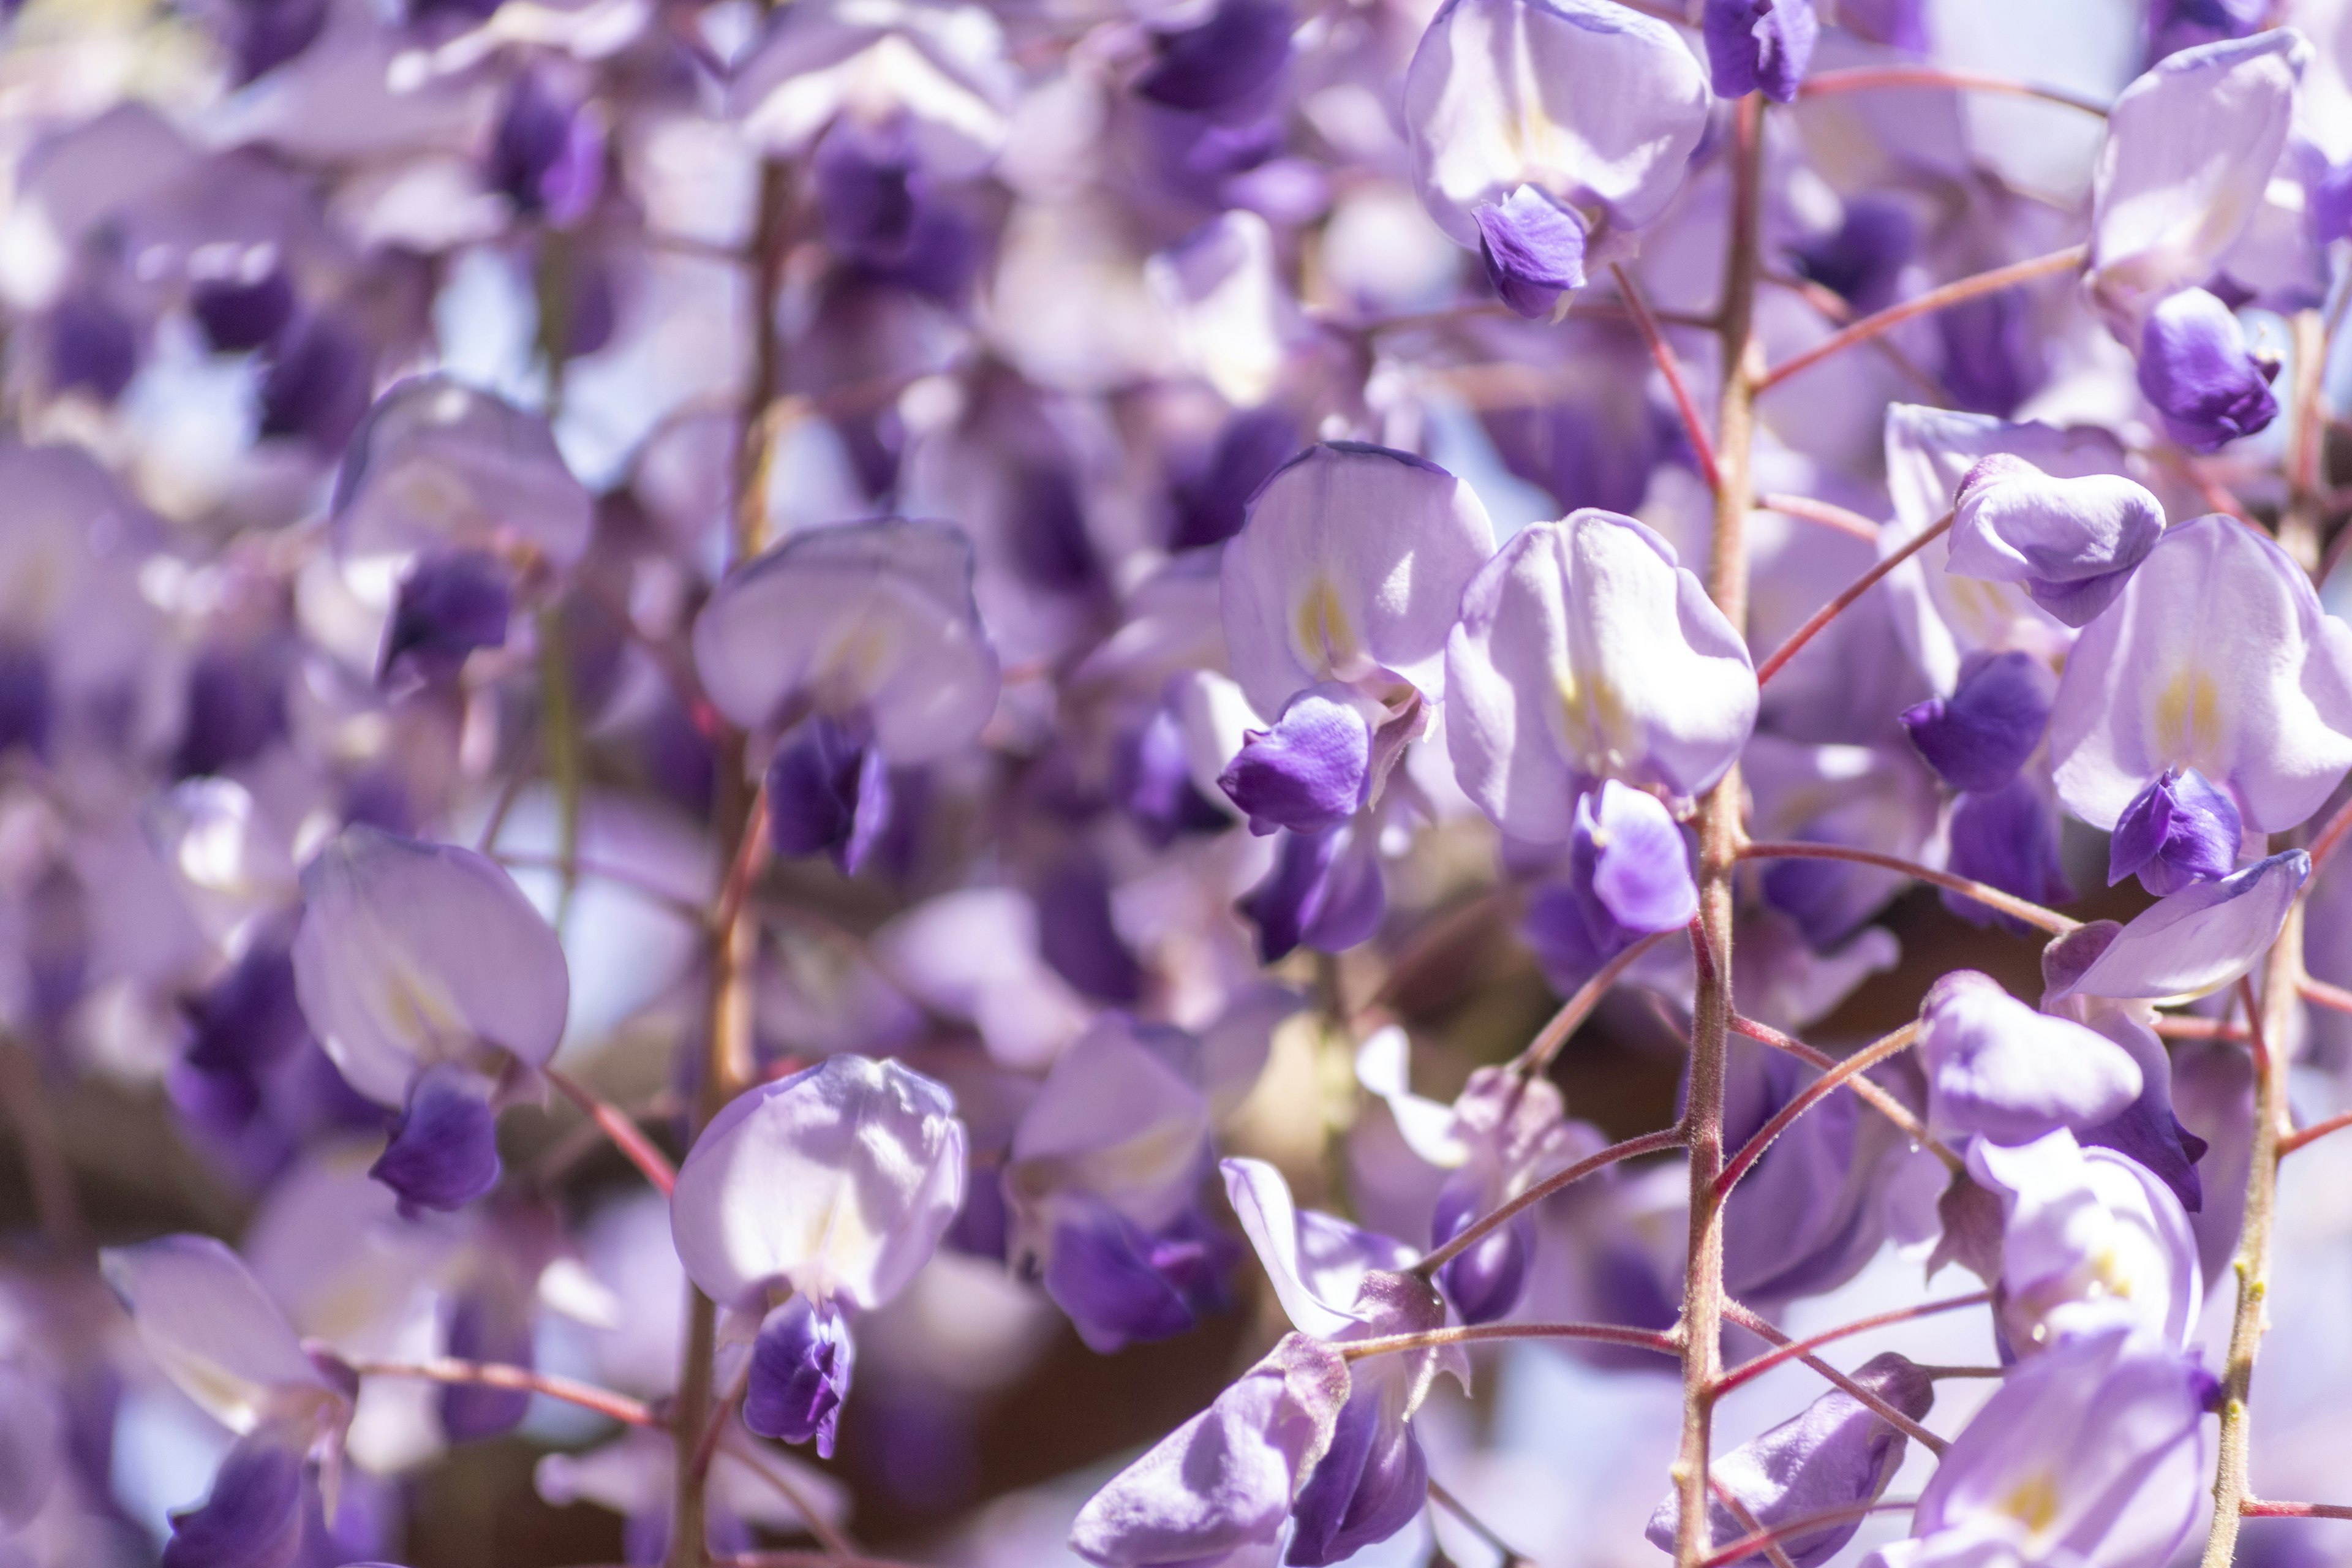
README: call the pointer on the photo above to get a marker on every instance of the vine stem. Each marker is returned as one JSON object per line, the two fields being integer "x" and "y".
{"x": 2253, "y": 1263}
{"x": 1825, "y": 514}
{"x": 1470, "y": 1234}
{"x": 1854, "y": 590}
{"x": 1478, "y": 1333}
{"x": 1992, "y": 898}
{"x": 2317, "y": 1129}
{"x": 1876, "y": 1403}
{"x": 1663, "y": 355}
{"x": 1865, "y": 79}
{"x": 1511, "y": 1556}
{"x": 1747, "y": 1546}
{"x": 1532, "y": 1061}
{"x": 517, "y": 1380}
{"x": 616, "y": 1124}
{"x": 1748, "y": 1371}
{"x": 1813, "y": 1094}
{"x": 1956, "y": 292}
{"x": 1876, "y": 1098}
{"x": 2255, "y": 1508}
{"x": 1719, "y": 836}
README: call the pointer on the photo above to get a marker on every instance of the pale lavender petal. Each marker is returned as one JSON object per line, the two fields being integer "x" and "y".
{"x": 217, "y": 1333}
{"x": 2072, "y": 543}
{"x": 1998, "y": 1069}
{"x": 2199, "y": 940}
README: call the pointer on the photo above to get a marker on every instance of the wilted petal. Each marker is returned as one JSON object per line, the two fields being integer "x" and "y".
{"x": 800, "y": 1373}
{"x": 1598, "y": 107}
{"x": 2217, "y": 657}
{"x": 1978, "y": 737}
{"x": 868, "y": 623}
{"x": 2196, "y": 367}
{"x": 1759, "y": 46}
{"x": 1312, "y": 771}
{"x": 1587, "y": 652}
{"x": 2189, "y": 147}
{"x": 2200, "y": 940}
{"x": 253, "y": 1516}
{"x": 1226, "y": 1478}
{"x": 217, "y": 1333}
{"x": 1352, "y": 562}
{"x": 412, "y": 954}
{"x": 443, "y": 1151}
{"x": 437, "y": 465}
{"x": 837, "y": 1180}
{"x": 1835, "y": 1453}
{"x": 2178, "y": 832}
{"x": 1998, "y": 1068}
{"x": 1533, "y": 249}
{"x": 2072, "y": 543}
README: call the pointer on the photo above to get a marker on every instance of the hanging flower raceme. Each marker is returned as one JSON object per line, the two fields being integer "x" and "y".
{"x": 1546, "y": 131}
{"x": 437, "y": 990}
{"x": 215, "y": 1332}
{"x": 807, "y": 1198}
{"x": 850, "y": 651}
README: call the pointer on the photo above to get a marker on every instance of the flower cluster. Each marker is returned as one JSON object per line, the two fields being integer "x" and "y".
{"x": 749, "y": 729}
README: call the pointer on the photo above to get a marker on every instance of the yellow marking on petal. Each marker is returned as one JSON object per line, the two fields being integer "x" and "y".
{"x": 2189, "y": 720}
{"x": 2033, "y": 1503}
{"x": 1323, "y": 629}
{"x": 1595, "y": 722}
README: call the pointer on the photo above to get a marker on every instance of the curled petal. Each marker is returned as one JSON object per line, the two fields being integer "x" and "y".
{"x": 253, "y": 1516}
{"x": 1978, "y": 737}
{"x": 1316, "y": 1262}
{"x": 1312, "y": 771}
{"x": 2178, "y": 832}
{"x": 2200, "y": 940}
{"x": 443, "y": 1151}
{"x": 800, "y": 1373}
{"x": 1534, "y": 250}
{"x": 2072, "y": 543}
{"x": 1759, "y": 46}
{"x": 1998, "y": 1068}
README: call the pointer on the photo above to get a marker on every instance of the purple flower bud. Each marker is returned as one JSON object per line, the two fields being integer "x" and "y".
{"x": 2008, "y": 839}
{"x": 1978, "y": 737}
{"x": 1998, "y": 1069}
{"x": 1861, "y": 259}
{"x": 827, "y": 794}
{"x": 1310, "y": 772}
{"x": 1834, "y": 1454}
{"x": 443, "y": 1151}
{"x": 253, "y": 1516}
{"x": 801, "y": 1366}
{"x": 2195, "y": 366}
{"x": 548, "y": 156}
{"x": 2072, "y": 542}
{"x": 450, "y": 603}
{"x": 1485, "y": 1282}
{"x": 1224, "y": 1479}
{"x": 1534, "y": 251}
{"x": 240, "y": 314}
{"x": 93, "y": 345}
{"x": 1325, "y": 892}
{"x": 1372, "y": 1484}
{"x": 1759, "y": 46}
{"x": 2180, "y": 830}
{"x": 27, "y": 707}
{"x": 1810, "y": 1214}
{"x": 1224, "y": 62}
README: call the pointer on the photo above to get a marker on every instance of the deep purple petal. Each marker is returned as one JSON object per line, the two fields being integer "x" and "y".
{"x": 443, "y": 1151}
{"x": 1759, "y": 46}
{"x": 800, "y": 1367}
{"x": 1308, "y": 772}
{"x": 1533, "y": 249}
{"x": 2195, "y": 366}
{"x": 253, "y": 1516}
{"x": 1978, "y": 737}
{"x": 2181, "y": 830}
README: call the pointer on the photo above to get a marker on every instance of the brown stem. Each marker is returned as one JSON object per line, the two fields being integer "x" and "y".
{"x": 1663, "y": 355}
{"x": 1747, "y": 1546}
{"x": 2299, "y": 530}
{"x": 1532, "y": 1061}
{"x": 2253, "y": 1263}
{"x": 1477, "y": 1333}
{"x": 1954, "y": 293}
{"x": 1807, "y": 510}
{"x": 616, "y": 1124}
{"x": 1876, "y": 1403}
{"x": 2033, "y": 914}
{"x": 2338, "y": 824}
{"x": 2255, "y": 1508}
{"x": 515, "y": 1380}
{"x": 2316, "y": 1130}
{"x": 1869, "y": 1092}
{"x": 1854, "y": 590}
{"x": 1748, "y": 1371}
{"x": 46, "y": 1169}
{"x": 1445, "y": 1500}
{"x": 1719, "y": 835}
{"x": 1865, "y": 79}
{"x": 1470, "y": 1234}
{"x": 1805, "y": 1099}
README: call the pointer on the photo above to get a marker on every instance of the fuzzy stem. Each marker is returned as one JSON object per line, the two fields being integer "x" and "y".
{"x": 1837, "y": 606}
{"x": 1992, "y": 898}
{"x": 2255, "y": 1508}
{"x": 1805, "y": 1099}
{"x": 616, "y": 1124}
{"x": 1876, "y": 1403}
{"x": 1933, "y": 299}
{"x": 2253, "y": 1263}
{"x": 1806, "y": 509}
{"x": 1865, "y": 79}
{"x": 1749, "y": 1370}
{"x": 514, "y": 1379}
{"x": 1719, "y": 836}
{"x": 1470, "y": 1234}
{"x": 1878, "y": 1100}
{"x": 1475, "y": 1333}
{"x": 1664, "y": 354}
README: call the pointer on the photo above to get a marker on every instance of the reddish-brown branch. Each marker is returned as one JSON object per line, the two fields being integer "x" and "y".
{"x": 1647, "y": 1144}
{"x": 1876, "y": 1403}
{"x": 1886, "y": 1104}
{"x": 2177, "y": 1027}
{"x": 515, "y": 1380}
{"x": 1954, "y": 293}
{"x": 1662, "y": 352}
{"x": 1854, "y": 590}
{"x": 1554, "y": 1034}
{"x": 1750, "y": 1370}
{"x": 2255, "y": 1508}
{"x": 1747, "y": 1520}
{"x": 2033, "y": 914}
{"x": 615, "y": 1124}
{"x": 1811, "y": 1095}
{"x": 1748, "y": 1546}
{"x": 1478, "y": 1333}
{"x": 1867, "y": 78}
{"x": 2338, "y": 824}
{"x": 1806, "y": 509}
{"x": 2316, "y": 1130}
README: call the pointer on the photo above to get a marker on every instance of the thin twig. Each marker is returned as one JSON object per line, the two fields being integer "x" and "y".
{"x": 1476, "y": 1526}
{"x": 1478, "y": 1333}
{"x": 1802, "y": 1526}
{"x": 1806, "y": 509}
{"x": 1865, "y": 79}
{"x": 1812, "y": 1094}
{"x": 515, "y": 1380}
{"x": 1748, "y": 1522}
{"x": 2031, "y": 913}
{"x": 1854, "y": 590}
{"x": 616, "y": 1124}
{"x": 1870, "y": 1092}
{"x": 827, "y": 1533}
{"x": 46, "y": 1169}
{"x": 1663, "y": 355}
{"x": 2255, "y": 1508}
{"x": 1531, "y": 1062}
{"x": 1876, "y": 1403}
{"x": 1954, "y": 293}
{"x": 1748, "y": 1371}
{"x": 1470, "y": 1234}
{"x": 2316, "y": 1130}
